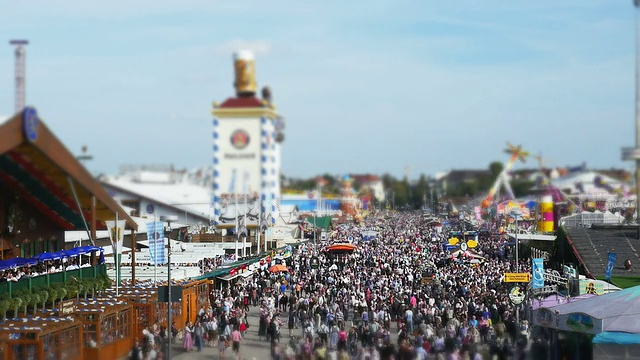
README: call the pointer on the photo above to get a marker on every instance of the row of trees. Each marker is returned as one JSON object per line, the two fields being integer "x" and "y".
{"x": 22, "y": 301}
{"x": 425, "y": 192}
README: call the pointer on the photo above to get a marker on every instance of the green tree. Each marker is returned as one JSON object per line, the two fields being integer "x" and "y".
{"x": 495, "y": 168}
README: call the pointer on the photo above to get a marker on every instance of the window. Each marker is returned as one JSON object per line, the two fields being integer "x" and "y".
{"x": 108, "y": 329}
{"x": 124, "y": 324}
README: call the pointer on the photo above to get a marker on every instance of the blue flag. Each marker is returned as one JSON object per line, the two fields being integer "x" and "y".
{"x": 155, "y": 235}
{"x": 538, "y": 273}
{"x": 612, "y": 260}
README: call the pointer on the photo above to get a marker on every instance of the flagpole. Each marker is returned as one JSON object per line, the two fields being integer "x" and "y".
{"x": 235, "y": 242}
{"x": 117, "y": 255}
{"x": 258, "y": 230}
{"x": 155, "y": 249}
{"x": 244, "y": 238}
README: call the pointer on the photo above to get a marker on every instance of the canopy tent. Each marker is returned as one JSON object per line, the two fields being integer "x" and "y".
{"x": 81, "y": 250}
{"x": 615, "y": 345}
{"x": 278, "y": 268}
{"x": 614, "y": 312}
{"x": 341, "y": 247}
{"x": 54, "y": 255}
{"x": 16, "y": 262}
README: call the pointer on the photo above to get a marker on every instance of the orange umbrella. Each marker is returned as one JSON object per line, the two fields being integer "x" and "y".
{"x": 278, "y": 268}
{"x": 341, "y": 247}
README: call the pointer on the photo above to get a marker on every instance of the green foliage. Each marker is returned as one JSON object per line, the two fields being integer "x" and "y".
{"x": 5, "y": 305}
{"x": 14, "y": 304}
{"x": 53, "y": 295}
{"x": 44, "y": 296}
{"x": 61, "y": 293}
{"x": 26, "y": 300}
{"x": 34, "y": 301}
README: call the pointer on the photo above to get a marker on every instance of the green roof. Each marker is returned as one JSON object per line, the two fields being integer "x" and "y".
{"x": 321, "y": 222}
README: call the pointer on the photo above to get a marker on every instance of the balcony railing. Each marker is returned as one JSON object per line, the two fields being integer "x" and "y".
{"x": 30, "y": 283}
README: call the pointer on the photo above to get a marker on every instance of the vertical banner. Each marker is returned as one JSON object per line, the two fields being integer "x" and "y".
{"x": 538, "y": 273}
{"x": 155, "y": 234}
{"x": 116, "y": 235}
{"x": 610, "y": 263}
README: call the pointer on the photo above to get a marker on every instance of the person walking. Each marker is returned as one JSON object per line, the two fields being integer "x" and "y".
{"x": 187, "y": 344}
{"x": 236, "y": 338}
{"x": 199, "y": 335}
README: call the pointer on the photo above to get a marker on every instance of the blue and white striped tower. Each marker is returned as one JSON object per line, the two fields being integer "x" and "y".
{"x": 246, "y": 136}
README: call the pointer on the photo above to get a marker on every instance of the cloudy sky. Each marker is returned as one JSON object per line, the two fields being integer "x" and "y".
{"x": 364, "y": 86}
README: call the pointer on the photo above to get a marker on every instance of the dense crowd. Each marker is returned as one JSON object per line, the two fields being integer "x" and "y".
{"x": 400, "y": 295}
{"x": 41, "y": 268}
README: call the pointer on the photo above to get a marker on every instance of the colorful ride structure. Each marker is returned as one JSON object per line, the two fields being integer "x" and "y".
{"x": 503, "y": 178}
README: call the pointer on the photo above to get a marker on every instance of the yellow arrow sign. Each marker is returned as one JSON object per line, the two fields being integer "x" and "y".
{"x": 517, "y": 277}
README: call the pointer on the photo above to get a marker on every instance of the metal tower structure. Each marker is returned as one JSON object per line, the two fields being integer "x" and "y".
{"x": 20, "y": 72}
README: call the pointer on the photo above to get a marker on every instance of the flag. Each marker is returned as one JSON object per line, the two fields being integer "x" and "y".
{"x": 116, "y": 234}
{"x": 612, "y": 260}
{"x": 155, "y": 234}
{"x": 538, "y": 273}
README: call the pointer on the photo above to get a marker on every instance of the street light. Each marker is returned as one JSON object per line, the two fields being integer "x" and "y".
{"x": 168, "y": 219}
{"x": 516, "y": 213}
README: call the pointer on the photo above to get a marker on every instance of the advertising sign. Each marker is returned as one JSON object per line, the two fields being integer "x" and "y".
{"x": 538, "y": 273}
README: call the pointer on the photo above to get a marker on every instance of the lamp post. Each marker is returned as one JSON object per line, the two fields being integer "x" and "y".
{"x": 633, "y": 153}
{"x": 516, "y": 213}
{"x": 168, "y": 219}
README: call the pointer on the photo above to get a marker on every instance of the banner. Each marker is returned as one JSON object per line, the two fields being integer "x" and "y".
{"x": 155, "y": 235}
{"x": 116, "y": 234}
{"x": 538, "y": 273}
{"x": 612, "y": 260}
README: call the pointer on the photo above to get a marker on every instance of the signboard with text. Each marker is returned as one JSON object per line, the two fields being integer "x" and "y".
{"x": 517, "y": 277}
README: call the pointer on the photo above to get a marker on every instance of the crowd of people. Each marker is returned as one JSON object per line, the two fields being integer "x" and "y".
{"x": 399, "y": 295}
{"x": 41, "y": 268}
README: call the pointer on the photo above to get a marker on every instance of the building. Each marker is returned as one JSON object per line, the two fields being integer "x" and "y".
{"x": 247, "y": 133}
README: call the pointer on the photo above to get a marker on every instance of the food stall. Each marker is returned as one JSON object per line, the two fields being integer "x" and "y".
{"x": 107, "y": 328}
{"x": 41, "y": 338}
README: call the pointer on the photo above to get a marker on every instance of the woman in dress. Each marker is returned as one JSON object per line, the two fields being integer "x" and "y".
{"x": 187, "y": 344}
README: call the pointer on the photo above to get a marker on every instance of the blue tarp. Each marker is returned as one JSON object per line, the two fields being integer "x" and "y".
{"x": 16, "y": 262}
{"x": 615, "y": 337}
{"x": 85, "y": 249}
{"x": 54, "y": 255}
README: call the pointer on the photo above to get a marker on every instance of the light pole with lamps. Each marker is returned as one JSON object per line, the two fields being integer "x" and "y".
{"x": 516, "y": 213}
{"x": 168, "y": 219}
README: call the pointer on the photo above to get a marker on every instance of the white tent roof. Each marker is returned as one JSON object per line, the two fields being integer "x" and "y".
{"x": 617, "y": 311}
{"x": 587, "y": 179}
{"x": 167, "y": 188}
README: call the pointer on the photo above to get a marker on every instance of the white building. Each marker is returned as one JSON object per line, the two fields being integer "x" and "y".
{"x": 246, "y": 152}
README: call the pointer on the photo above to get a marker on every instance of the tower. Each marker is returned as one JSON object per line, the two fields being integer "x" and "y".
{"x": 20, "y": 53}
{"x": 247, "y": 133}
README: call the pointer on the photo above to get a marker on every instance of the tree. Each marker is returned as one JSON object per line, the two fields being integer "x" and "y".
{"x": 34, "y": 301}
{"x": 44, "y": 296}
{"x": 495, "y": 168}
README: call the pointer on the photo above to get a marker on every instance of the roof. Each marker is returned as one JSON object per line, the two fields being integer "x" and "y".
{"x": 179, "y": 194}
{"x": 619, "y": 311}
{"x": 242, "y": 102}
{"x": 593, "y": 245}
{"x": 322, "y": 221}
{"x": 37, "y": 165}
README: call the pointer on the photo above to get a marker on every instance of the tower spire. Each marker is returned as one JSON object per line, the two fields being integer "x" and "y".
{"x": 20, "y": 73}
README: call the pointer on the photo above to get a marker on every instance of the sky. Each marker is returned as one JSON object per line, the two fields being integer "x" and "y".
{"x": 364, "y": 86}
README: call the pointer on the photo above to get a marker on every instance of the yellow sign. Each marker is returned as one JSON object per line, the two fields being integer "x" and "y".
{"x": 517, "y": 277}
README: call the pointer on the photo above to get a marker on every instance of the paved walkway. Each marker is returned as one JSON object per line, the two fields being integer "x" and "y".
{"x": 250, "y": 349}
